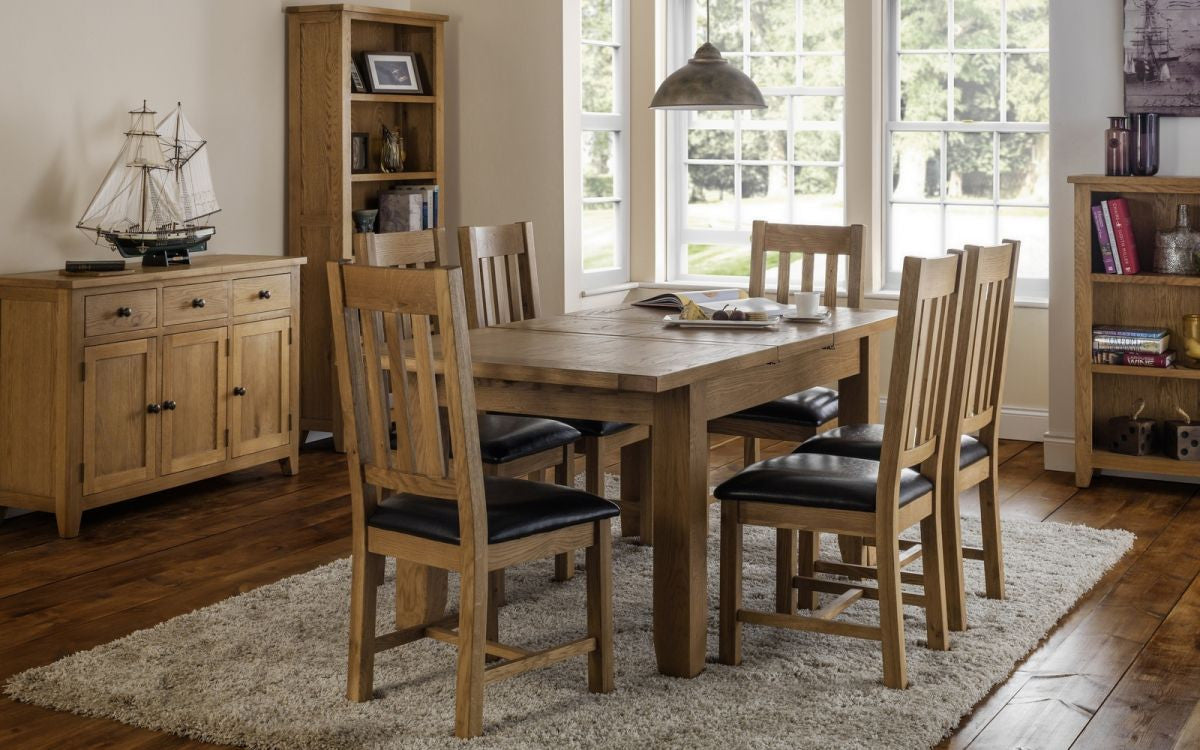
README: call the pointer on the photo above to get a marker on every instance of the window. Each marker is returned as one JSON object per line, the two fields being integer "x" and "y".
{"x": 605, "y": 142}
{"x": 968, "y": 131}
{"x": 782, "y": 164}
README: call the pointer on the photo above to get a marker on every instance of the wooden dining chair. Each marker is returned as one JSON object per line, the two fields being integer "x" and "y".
{"x": 977, "y": 379}
{"x": 441, "y": 512}
{"x": 500, "y": 265}
{"x": 857, "y": 497}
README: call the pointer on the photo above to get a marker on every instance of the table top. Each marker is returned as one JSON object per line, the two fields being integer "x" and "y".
{"x": 629, "y": 348}
{"x": 201, "y": 265}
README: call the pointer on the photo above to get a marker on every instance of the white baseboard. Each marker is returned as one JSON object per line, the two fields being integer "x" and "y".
{"x": 1016, "y": 423}
{"x": 1059, "y": 450}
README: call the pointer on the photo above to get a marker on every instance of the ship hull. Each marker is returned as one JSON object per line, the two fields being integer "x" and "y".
{"x": 161, "y": 247}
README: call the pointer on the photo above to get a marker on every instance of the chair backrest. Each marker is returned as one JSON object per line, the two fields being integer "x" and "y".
{"x": 990, "y": 277}
{"x": 808, "y": 241}
{"x": 500, "y": 271}
{"x": 922, "y": 357}
{"x": 371, "y": 306}
{"x": 421, "y": 249}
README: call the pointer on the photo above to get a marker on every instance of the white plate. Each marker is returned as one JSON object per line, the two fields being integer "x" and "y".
{"x": 673, "y": 320}
{"x": 820, "y": 317}
{"x": 746, "y": 304}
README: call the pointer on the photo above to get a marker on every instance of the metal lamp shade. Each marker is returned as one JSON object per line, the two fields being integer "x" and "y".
{"x": 708, "y": 81}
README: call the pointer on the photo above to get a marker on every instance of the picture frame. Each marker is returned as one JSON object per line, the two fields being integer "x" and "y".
{"x": 1157, "y": 37}
{"x": 356, "y": 79}
{"x": 393, "y": 73}
{"x": 360, "y": 144}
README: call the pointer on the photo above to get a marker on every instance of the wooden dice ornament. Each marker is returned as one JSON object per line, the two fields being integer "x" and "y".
{"x": 1131, "y": 435}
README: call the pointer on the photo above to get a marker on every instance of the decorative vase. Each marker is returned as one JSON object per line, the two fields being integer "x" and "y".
{"x": 1116, "y": 147}
{"x": 1175, "y": 249}
{"x": 391, "y": 156}
{"x": 1145, "y": 144}
{"x": 1189, "y": 341}
{"x": 364, "y": 220}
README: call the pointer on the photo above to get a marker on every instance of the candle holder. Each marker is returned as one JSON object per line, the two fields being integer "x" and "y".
{"x": 1131, "y": 435}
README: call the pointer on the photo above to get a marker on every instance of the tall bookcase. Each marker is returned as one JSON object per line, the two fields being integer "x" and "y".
{"x": 323, "y": 192}
{"x": 1143, "y": 299}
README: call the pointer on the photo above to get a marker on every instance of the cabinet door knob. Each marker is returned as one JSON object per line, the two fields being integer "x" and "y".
{"x": 124, "y": 312}
{"x": 154, "y": 408}
{"x": 239, "y": 391}
{"x": 198, "y": 302}
{"x": 264, "y": 294}
{"x": 169, "y": 405}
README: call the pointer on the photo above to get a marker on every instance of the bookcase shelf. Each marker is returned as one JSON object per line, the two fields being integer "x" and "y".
{"x": 392, "y": 176}
{"x": 1143, "y": 299}
{"x": 394, "y": 98}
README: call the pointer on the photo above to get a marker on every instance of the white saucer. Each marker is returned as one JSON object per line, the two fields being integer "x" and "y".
{"x": 821, "y": 316}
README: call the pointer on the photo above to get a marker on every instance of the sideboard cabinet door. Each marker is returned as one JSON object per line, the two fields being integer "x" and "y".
{"x": 121, "y": 414}
{"x": 194, "y": 398}
{"x": 259, "y": 386}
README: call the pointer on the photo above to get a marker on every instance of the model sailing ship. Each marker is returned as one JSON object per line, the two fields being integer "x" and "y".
{"x": 1151, "y": 54}
{"x": 155, "y": 192}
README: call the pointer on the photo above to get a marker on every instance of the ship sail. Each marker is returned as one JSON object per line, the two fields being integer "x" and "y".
{"x": 136, "y": 192}
{"x": 187, "y": 155}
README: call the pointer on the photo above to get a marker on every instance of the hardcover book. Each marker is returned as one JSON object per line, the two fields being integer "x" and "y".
{"x": 1123, "y": 233}
{"x": 1134, "y": 359}
{"x": 1142, "y": 332}
{"x": 1106, "y": 253}
{"x": 1128, "y": 344}
{"x": 1112, "y": 238}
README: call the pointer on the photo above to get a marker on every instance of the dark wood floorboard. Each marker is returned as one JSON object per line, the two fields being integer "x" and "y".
{"x": 1121, "y": 670}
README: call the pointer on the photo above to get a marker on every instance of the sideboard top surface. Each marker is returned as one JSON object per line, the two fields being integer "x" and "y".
{"x": 206, "y": 265}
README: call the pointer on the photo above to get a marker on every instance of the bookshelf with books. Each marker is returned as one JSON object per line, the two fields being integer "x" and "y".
{"x": 330, "y": 176}
{"x": 1116, "y": 313}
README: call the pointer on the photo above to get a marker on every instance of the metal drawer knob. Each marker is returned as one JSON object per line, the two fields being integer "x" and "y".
{"x": 154, "y": 408}
{"x": 239, "y": 391}
{"x": 169, "y": 405}
{"x": 124, "y": 312}
{"x": 264, "y": 294}
{"x": 198, "y": 302}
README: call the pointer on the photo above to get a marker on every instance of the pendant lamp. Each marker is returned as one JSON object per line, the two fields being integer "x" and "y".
{"x": 708, "y": 82}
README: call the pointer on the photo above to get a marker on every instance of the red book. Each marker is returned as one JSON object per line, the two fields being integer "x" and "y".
{"x": 1123, "y": 231}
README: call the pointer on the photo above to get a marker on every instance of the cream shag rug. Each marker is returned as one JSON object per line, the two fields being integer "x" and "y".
{"x": 266, "y": 669}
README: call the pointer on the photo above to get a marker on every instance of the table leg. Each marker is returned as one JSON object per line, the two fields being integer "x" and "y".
{"x": 858, "y": 403}
{"x": 680, "y": 505}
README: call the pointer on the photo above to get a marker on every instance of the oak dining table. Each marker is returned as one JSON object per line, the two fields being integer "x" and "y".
{"x": 623, "y": 364}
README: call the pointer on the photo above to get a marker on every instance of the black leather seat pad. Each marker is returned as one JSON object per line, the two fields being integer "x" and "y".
{"x": 504, "y": 438}
{"x": 516, "y": 508}
{"x": 866, "y": 441}
{"x": 596, "y": 428}
{"x": 815, "y": 480}
{"x": 813, "y": 407}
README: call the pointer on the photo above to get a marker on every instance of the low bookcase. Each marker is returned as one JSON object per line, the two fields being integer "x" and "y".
{"x": 1142, "y": 299}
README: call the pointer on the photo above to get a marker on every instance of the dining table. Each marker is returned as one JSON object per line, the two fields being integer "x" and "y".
{"x": 624, "y": 363}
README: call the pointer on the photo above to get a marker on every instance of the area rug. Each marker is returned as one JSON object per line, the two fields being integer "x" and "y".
{"x": 266, "y": 669}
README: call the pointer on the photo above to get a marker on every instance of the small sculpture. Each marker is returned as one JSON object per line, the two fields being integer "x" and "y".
{"x": 1181, "y": 438}
{"x": 391, "y": 156}
{"x": 1131, "y": 435}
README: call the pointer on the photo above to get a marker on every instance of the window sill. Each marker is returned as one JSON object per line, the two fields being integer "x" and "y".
{"x": 1028, "y": 302}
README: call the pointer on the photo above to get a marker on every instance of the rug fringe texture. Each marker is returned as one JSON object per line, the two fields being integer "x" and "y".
{"x": 267, "y": 669}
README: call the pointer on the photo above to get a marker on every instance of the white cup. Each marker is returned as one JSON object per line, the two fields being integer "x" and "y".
{"x": 806, "y": 303}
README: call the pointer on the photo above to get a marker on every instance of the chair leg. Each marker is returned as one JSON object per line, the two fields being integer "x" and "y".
{"x": 993, "y": 546}
{"x": 785, "y": 571}
{"x": 730, "y": 651}
{"x": 950, "y": 536}
{"x": 806, "y": 557}
{"x": 363, "y": 596}
{"x": 891, "y": 616}
{"x": 564, "y": 563}
{"x": 495, "y": 592}
{"x": 599, "y": 608}
{"x": 932, "y": 569}
{"x": 749, "y": 451}
{"x": 637, "y": 512}
{"x": 472, "y": 632}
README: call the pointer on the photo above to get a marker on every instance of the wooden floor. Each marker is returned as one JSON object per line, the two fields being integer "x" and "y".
{"x": 1123, "y": 670}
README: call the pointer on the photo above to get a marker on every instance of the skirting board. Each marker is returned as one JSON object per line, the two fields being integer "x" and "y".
{"x": 1016, "y": 423}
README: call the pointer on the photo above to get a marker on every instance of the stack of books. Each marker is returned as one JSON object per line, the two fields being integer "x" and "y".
{"x": 1115, "y": 234}
{"x": 1134, "y": 346}
{"x": 409, "y": 209}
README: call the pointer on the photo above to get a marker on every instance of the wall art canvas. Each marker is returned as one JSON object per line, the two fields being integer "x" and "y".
{"x": 1162, "y": 56}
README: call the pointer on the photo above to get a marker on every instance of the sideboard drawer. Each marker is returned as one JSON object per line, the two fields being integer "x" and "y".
{"x": 262, "y": 294}
{"x": 193, "y": 302}
{"x": 119, "y": 312}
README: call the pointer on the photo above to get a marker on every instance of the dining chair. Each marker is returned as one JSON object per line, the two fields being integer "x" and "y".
{"x": 813, "y": 493}
{"x": 500, "y": 265}
{"x": 443, "y": 513}
{"x": 511, "y": 446}
{"x": 977, "y": 379}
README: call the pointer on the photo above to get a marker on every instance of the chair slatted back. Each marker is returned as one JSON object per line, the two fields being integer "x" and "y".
{"x": 421, "y": 249}
{"x": 987, "y": 300}
{"x": 500, "y": 270}
{"x": 918, "y": 392}
{"x": 808, "y": 241}
{"x": 375, "y": 306}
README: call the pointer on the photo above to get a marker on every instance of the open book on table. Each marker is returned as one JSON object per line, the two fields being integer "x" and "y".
{"x": 677, "y": 300}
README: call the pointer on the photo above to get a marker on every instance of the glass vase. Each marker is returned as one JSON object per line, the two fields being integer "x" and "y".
{"x": 1144, "y": 139}
{"x": 1116, "y": 147}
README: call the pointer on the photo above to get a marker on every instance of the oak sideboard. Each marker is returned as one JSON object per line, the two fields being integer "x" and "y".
{"x": 115, "y": 386}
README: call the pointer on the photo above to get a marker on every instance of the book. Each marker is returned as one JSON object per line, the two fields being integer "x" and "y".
{"x": 409, "y": 208}
{"x": 1134, "y": 359}
{"x": 1106, "y": 255}
{"x": 1108, "y": 228}
{"x": 677, "y": 300}
{"x": 1141, "y": 332}
{"x": 94, "y": 266}
{"x": 1123, "y": 235}
{"x": 1129, "y": 344}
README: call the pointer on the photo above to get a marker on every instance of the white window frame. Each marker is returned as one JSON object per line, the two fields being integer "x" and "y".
{"x": 682, "y": 42}
{"x": 617, "y": 123}
{"x": 1030, "y": 289}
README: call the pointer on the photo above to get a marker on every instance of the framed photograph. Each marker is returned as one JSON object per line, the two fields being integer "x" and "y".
{"x": 356, "y": 81}
{"x": 359, "y": 147}
{"x": 1159, "y": 70}
{"x": 393, "y": 72}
